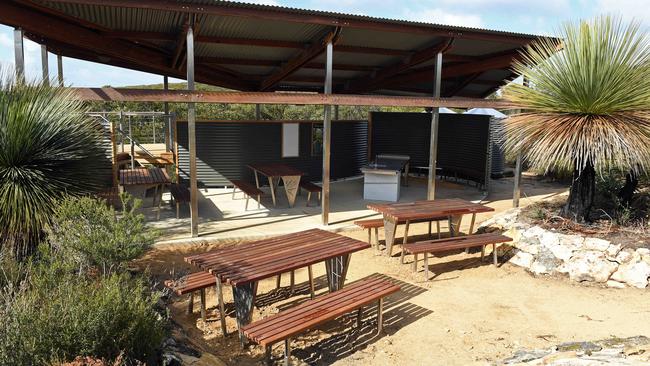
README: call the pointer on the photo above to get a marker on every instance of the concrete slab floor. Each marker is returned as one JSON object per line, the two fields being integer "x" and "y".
{"x": 222, "y": 217}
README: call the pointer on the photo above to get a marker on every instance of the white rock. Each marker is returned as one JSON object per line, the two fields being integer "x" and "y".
{"x": 615, "y": 284}
{"x": 613, "y": 250}
{"x": 627, "y": 255}
{"x": 522, "y": 259}
{"x": 634, "y": 274}
{"x": 596, "y": 244}
{"x": 534, "y": 231}
{"x": 590, "y": 265}
{"x": 549, "y": 239}
{"x": 643, "y": 251}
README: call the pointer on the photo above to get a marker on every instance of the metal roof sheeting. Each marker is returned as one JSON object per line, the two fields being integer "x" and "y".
{"x": 304, "y": 29}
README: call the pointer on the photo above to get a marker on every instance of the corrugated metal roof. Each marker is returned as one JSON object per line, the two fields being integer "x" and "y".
{"x": 398, "y": 45}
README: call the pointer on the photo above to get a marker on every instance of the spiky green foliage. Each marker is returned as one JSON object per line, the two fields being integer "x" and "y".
{"x": 589, "y": 100}
{"x": 48, "y": 148}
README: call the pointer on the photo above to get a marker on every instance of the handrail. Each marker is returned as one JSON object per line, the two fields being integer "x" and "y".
{"x": 124, "y": 134}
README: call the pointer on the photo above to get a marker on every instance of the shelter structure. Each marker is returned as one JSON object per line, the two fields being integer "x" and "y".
{"x": 272, "y": 55}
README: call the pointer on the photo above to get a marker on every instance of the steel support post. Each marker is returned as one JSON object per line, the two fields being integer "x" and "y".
{"x": 433, "y": 150}
{"x": 191, "y": 133}
{"x": 327, "y": 137}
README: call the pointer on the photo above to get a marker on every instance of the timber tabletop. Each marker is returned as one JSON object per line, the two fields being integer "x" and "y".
{"x": 275, "y": 169}
{"x": 143, "y": 176}
{"x": 427, "y": 209}
{"x": 266, "y": 258}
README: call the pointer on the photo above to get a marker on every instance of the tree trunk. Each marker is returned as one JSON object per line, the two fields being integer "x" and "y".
{"x": 627, "y": 192}
{"x": 581, "y": 194}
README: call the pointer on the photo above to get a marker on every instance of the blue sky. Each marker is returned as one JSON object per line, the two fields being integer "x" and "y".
{"x": 526, "y": 16}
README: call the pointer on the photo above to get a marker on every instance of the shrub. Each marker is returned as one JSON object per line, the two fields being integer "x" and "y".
{"x": 48, "y": 149}
{"x": 59, "y": 317}
{"x": 89, "y": 233}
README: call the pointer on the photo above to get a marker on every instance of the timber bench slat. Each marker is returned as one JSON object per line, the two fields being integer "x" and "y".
{"x": 310, "y": 188}
{"x": 375, "y": 224}
{"x": 460, "y": 242}
{"x": 248, "y": 189}
{"x": 191, "y": 283}
{"x": 284, "y": 325}
{"x": 181, "y": 194}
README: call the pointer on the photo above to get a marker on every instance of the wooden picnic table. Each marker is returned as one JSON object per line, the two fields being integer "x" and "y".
{"x": 137, "y": 181}
{"x": 453, "y": 209}
{"x": 244, "y": 265}
{"x": 274, "y": 172}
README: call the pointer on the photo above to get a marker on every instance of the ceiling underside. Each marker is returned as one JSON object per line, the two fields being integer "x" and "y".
{"x": 263, "y": 48}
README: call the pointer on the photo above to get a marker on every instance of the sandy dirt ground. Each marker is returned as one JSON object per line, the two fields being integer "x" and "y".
{"x": 470, "y": 312}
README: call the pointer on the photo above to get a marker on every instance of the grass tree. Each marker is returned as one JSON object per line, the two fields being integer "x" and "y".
{"x": 48, "y": 149}
{"x": 587, "y": 109}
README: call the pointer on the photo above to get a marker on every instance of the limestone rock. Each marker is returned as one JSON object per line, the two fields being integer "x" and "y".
{"x": 522, "y": 259}
{"x": 627, "y": 255}
{"x": 590, "y": 265}
{"x": 615, "y": 284}
{"x": 545, "y": 262}
{"x": 597, "y": 244}
{"x": 634, "y": 274}
{"x": 528, "y": 244}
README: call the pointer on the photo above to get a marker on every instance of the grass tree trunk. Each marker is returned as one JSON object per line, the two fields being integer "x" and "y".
{"x": 581, "y": 194}
{"x": 627, "y": 192}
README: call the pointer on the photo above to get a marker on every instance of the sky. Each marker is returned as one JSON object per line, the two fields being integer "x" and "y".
{"x": 540, "y": 17}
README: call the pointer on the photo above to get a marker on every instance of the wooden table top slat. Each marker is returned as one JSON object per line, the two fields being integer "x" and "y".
{"x": 275, "y": 169}
{"x": 428, "y": 209}
{"x": 143, "y": 176}
{"x": 266, "y": 258}
{"x": 259, "y": 244}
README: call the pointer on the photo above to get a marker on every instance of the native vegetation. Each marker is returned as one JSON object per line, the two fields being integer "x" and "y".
{"x": 587, "y": 108}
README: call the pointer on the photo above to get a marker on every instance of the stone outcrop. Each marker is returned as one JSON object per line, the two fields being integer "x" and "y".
{"x": 582, "y": 259}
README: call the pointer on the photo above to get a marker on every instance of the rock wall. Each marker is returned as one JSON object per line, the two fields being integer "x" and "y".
{"x": 583, "y": 259}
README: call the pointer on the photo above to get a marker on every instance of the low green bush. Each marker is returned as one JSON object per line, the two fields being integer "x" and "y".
{"x": 88, "y": 232}
{"x": 73, "y": 296}
{"x": 57, "y": 317}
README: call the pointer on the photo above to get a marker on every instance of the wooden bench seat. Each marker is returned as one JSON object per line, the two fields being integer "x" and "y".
{"x": 444, "y": 245}
{"x": 191, "y": 283}
{"x": 249, "y": 191}
{"x": 284, "y": 325}
{"x": 310, "y": 188}
{"x": 375, "y": 224}
{"x": 181, "y": 194}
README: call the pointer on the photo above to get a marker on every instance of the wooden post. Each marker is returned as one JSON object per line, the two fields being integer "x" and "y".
{"x": 45, "y": 69}
{"x": 258, "y": 111}
{"x": 191, "y": 133}
{"x": 433, "y": 150}
{"x": 114, "y": 154}
{"x": 59, "y": 67}
{"x": 327, "y": 136}
{"x": 19, "y": 55}
{"x": 336, "y": 112}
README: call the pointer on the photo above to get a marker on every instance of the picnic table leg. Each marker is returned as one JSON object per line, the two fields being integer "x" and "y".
{"x": 292, "y": 281}
{"x": 389, "y": 232}
{"x": 359, "y": 316}
{"x": 406, "y": 235}
{"x": 311, "y": 282}
{"x": 471, "y": 225}
{"x": 380, "y": 316}
{"x": 426, "y": 266}
{"x": 222, "y": 311}
{"x": 438, "y": 228}
{"x": 377, "y": 239}
{"x": 277, "y": 281}
{"x": 267, "y": 355}
{"x": 257, "y": 181}
{"x": 244, "y": 298}
{"x": 190, "y": 304}
{"x": 415, "y": 262}
{"x": 272, "y": 185}
{"x": 287, "y": 351}
{"x": 291, "y": 186}
{"x": 494, "y": 254}
{"x": 454, "y": 224}
{"x": 203, "y": 310}
{"x": 337, "y": 269}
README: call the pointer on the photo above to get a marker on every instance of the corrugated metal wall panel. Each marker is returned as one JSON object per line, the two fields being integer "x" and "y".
{"x": 462, "y": 140}
{"x": 224, "y": 149}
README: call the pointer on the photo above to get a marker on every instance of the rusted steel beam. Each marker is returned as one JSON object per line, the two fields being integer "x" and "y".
{"x": 185, "y": 96}
{"x": 317, "y": 48}
{"x": 310, "y": 17}
{"x": 277, "y": 63}
{"x": 421, "y": 56}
